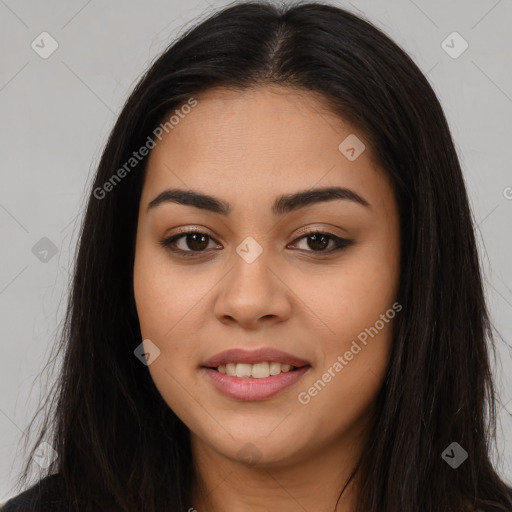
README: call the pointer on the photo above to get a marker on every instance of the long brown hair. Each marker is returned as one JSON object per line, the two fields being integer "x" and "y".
{"x": 120, "y": 446}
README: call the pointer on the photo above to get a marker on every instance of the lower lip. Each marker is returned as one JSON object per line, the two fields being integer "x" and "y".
{"x": 250, "y": 389}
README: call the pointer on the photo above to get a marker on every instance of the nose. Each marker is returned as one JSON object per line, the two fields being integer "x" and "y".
{"x": 253, "y": 295}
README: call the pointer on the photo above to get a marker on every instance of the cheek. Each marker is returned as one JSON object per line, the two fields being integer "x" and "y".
{"x": 167, "y": 299}
{"x": 356, "y": 304}
{"x": 170, "y": 302}
{"x": 161, "y": 301}
{"x": 165, "y": 309}
{"x": 339, "y": 395}
{"x": 355, "y": 293}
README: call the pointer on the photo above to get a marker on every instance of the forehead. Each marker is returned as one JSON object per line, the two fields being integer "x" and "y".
{"x": 258, "y": 141}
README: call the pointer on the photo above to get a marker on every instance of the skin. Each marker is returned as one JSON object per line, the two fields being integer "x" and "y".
{"x": 246, "y": 148}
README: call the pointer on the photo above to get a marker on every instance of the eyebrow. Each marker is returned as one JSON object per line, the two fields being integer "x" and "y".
{"x": 283, "y": 204}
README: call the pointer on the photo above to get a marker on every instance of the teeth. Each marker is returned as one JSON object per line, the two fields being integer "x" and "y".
{"x": 260, "y": 370}
{"x": 256, "y": 371}
{"x": 275, "y": 368}
{"x": 243, "y": 370}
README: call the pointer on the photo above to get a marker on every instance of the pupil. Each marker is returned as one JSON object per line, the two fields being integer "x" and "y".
{"x": 197, "y": 238}
{"x": 319, "y": 245}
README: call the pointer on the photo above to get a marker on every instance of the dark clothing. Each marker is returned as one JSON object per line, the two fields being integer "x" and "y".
{"x": 41, "y": 497}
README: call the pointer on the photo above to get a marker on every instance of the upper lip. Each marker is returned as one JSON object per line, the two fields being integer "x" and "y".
{"x": 240, "y": 355}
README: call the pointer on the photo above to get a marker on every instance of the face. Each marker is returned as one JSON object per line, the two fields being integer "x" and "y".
{"x": 273, "y": 264}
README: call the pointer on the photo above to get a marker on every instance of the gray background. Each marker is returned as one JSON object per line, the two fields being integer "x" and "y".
{"x": 57, "y": 112}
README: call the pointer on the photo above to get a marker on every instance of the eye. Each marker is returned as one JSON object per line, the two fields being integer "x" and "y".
{"x": 194, "y": 243}
{"x": 318, "y": 241}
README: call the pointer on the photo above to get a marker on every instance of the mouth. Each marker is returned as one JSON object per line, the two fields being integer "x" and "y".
{"x": 258, "y": 357}
{"x": 260, "y": 370}
{"x": 254, "y": 375}
{"x": 250, "y": 388}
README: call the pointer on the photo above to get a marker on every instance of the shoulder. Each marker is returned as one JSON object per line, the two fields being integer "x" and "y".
{"x": 42, "y": 497}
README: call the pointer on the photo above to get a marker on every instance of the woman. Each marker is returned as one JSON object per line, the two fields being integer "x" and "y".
{"x": 277, "y": 299}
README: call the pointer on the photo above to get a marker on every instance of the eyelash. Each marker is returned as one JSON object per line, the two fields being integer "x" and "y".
{"x": 167, "y": 243}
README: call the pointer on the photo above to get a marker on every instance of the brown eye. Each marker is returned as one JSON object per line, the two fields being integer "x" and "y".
{"x": 317, "y": 241}
{"x": 188, "y": 243}
{"x": 197, "y": 241}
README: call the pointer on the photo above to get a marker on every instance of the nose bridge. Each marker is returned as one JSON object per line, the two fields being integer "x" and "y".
{"x": 250, "y": 278}
{"x": 251, "y": 265}
{"x": 250, "y": 290}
